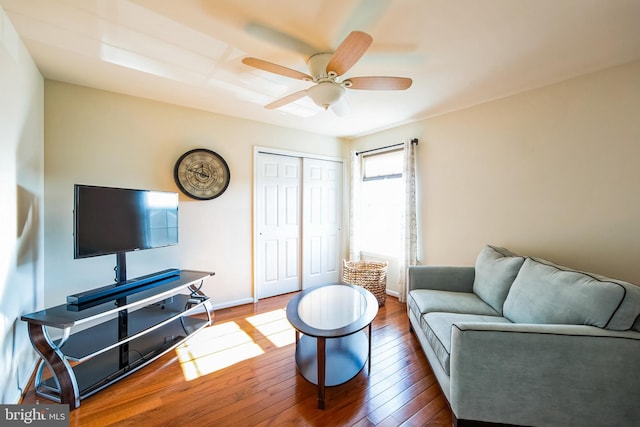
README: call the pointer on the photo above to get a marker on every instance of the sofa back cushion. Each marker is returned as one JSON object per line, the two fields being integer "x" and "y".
{"x": 496, "y": 268}
{"x": 629, "y": 311}
{"x": 547, "y": 293}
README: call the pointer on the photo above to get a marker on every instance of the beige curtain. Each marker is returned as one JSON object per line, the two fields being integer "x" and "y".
{"x": 354, "y": 208}
{"x": 410, "y": 226}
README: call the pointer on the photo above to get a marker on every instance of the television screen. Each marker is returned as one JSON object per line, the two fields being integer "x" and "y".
{"x": 112, "y": 220}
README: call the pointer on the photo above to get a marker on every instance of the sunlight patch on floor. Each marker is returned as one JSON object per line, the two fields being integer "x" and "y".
{"x": 275, "y": 326}
{"x": 215, "y": 348}
{"x": 222, "y": 345}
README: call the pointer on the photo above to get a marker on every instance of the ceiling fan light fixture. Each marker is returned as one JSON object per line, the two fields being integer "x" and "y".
{"x": 325, "y": 68}
{"x": 325, "y": 94}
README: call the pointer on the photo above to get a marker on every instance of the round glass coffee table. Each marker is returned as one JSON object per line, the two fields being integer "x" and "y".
{"x": 329, "y": 351}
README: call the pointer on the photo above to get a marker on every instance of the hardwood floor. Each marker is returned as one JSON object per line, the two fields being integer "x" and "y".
{"x": 241, "y": 372}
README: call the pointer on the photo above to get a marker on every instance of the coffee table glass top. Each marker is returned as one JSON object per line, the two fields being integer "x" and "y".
{"x": 332, "y": 310}
{"x": 332, "y": 307}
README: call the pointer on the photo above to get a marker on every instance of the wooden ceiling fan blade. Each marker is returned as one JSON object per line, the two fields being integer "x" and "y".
{"x": 286, "y": 100}
{"x": 379, "y": 83}
{"x": 275, "y": 68}
{"x": 349, "y": 52}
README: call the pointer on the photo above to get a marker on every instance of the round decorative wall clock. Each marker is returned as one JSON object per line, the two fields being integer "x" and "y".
{"x": 202, "y": 174}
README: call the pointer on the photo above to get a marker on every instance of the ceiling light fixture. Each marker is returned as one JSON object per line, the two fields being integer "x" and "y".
{"x": 325, "y": 94}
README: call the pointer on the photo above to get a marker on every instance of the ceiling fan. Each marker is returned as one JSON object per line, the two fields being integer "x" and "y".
{"x": 326, "y": 70}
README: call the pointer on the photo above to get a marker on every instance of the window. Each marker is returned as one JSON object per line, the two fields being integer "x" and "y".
{"x": 382, "y": 200}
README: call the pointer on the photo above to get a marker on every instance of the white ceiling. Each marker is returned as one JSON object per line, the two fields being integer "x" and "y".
{"x": 458, "y": 52}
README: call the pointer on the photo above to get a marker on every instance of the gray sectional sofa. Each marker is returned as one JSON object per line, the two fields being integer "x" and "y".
{"x": 521, "y": 341}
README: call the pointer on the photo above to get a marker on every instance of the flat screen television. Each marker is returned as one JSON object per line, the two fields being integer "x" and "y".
{"x": 119, "y": 220}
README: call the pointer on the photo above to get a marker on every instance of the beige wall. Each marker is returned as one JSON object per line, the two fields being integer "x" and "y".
{"x": 22, "y": 190}
{"x": 552, "y": 172}
{"x": 101, "y": 138}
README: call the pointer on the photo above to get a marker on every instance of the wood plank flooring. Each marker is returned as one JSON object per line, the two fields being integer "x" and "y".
{"x": 241, "y": 372}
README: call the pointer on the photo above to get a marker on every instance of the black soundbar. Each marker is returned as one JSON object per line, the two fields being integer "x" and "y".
{"x": 127, "y": 287}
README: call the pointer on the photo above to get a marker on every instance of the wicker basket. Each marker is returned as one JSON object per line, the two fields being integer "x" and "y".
{"x": 371, "y": 275}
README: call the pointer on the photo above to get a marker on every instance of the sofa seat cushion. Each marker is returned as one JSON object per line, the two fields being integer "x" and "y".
{"x": 545, "y": 293}
{"x": 423, "y": 301}
{"x": 496, "y": 268}
{"x": 437, "y": 328}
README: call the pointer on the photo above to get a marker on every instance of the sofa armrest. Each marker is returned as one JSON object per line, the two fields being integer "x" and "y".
{"x": 458, "y": 279}
{"x": 548, "y": 375}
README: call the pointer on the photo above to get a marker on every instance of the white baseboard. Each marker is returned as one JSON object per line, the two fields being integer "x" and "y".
{"x": 393, "y": 293}
{"x": 24, "y": 380}
{"x": 233, "y": 303}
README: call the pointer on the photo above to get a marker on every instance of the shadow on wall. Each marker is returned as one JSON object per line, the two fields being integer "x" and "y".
{"x": 23, "y": 274}
{"x": 27, "y": 227}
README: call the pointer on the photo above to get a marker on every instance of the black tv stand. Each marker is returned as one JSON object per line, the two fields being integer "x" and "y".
{"x": 128, "y": 333}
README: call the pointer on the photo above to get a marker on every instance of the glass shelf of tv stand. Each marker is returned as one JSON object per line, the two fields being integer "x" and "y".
{"x": 97, "y": 339}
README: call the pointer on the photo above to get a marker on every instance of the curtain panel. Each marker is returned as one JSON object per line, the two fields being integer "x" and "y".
{"x": 354, "y": 208}
{"x": 409, "y": 221}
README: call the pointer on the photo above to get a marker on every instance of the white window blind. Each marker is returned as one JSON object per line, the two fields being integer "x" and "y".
{"x": 382, "y": 199}
{"x": 383, "y": 165}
